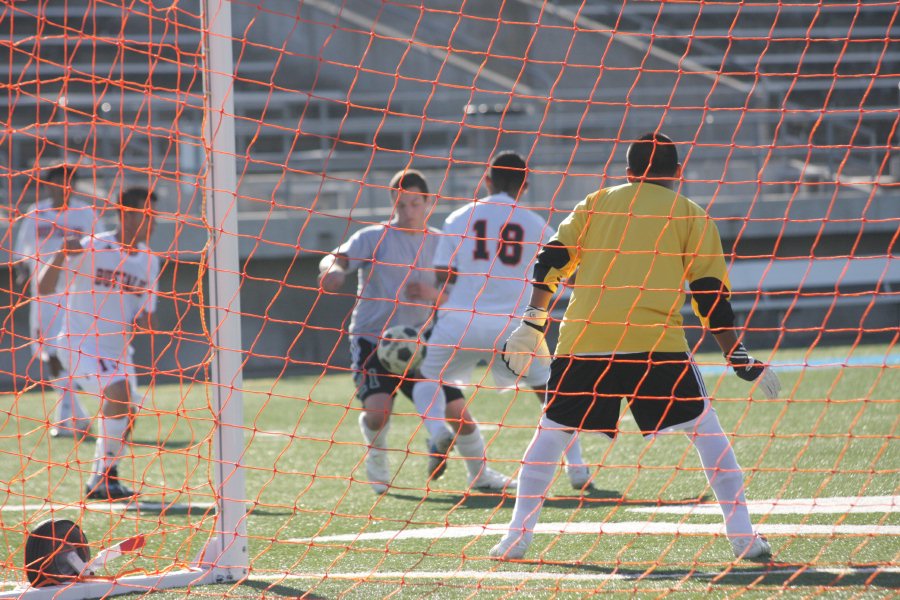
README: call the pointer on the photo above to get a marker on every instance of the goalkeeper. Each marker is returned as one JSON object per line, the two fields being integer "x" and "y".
{"x": 622, "y": 336}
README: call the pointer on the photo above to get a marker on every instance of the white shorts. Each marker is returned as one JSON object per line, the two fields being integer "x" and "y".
{"x": 460, "y": 340}
{"x": 92, "y": 368}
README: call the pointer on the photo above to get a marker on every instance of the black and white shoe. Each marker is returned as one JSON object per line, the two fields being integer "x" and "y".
{"x": 108, "y": 488}
{"x": 437, "y": 456}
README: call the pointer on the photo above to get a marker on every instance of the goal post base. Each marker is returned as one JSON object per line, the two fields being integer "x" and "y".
{"x": 114, "y": 587}
{"x": 131, "y": 584}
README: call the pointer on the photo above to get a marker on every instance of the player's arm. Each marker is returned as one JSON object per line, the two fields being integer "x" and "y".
{"x": 48, "y": 277}
{"x": 446, "y": 277}
{"x": 23, "y": 249}
{"x": 707, "y": 275}
{"x": 527, "y": 344}
{"x": 333, "y": 271}
{"x": 435, "y": 295}
{"x": 711, "y": 301}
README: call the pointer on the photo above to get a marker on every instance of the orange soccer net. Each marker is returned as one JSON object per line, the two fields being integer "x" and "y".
{"x": 270, "y": 132}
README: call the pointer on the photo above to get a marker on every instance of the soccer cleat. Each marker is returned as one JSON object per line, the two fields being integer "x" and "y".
{"x": 580, "y": 478}
{"x": 108, "y": 488}
{"x": 437, "y": 456}
{"x": 378, "y": 470}
{"x": 750, "y": 547}
{"x": 71, "y": 428}
{"x": 492, "y": 481}
{"x": 513, "y": 546}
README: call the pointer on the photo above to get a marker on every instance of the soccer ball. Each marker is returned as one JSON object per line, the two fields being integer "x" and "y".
{"x": 398, "y": 349}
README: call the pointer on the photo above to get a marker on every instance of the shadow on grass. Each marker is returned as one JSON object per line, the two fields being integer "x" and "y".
{"x": 171, "y": 508}
{"x": 747, "y": 574}
{"x": 200, "y": 508}
{"x": 594, "y": 497}
{"x": 279, "y": 589}
{"x": 164, "y": 444}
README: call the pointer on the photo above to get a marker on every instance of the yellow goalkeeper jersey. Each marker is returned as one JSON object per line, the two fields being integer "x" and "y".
{"x": 635, "y": 246}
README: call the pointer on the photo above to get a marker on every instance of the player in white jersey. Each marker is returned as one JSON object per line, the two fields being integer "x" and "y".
{"x": 396, "y": 286}
{"x": 40, "y": 233}
{"x": 112, "y": 289}
{"x": 487, "y": 248}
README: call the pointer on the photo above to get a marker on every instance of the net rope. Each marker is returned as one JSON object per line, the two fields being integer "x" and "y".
{"x": 784, "y": 117}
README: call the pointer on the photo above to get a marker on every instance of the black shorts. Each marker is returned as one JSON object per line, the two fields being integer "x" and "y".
{"x": 371, "y": 377}
{"x": 663, "y": 389}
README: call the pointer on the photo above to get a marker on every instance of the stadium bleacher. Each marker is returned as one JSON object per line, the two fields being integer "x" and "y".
{"x": 314, "y": 144}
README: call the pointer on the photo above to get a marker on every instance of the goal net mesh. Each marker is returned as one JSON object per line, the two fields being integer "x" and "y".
{"x": 784, "y": 117}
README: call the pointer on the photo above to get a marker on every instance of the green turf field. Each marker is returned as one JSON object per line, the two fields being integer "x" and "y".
{"x": 312, "y": 517}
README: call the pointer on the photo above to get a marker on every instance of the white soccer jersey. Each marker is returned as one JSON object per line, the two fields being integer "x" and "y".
{"x": 491, "y": 244}
{"x": 43, "y": 228}
{"x": 389, "y": 259}
{"x": 40, "y": 233}
{"x": 109, "y": 288}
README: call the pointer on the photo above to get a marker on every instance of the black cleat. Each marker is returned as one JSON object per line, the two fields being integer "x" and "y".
{"x": 108, "y": 488}
{"x": 437, "y": 457}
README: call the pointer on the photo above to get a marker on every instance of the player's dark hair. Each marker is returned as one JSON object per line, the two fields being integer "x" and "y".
{"x": 653, "y": 155}
{"x": 409, "y": 179}
{"x": 136, "y": 197}
{"x": 508, "y": 172}
{"x": 61, "y": 174}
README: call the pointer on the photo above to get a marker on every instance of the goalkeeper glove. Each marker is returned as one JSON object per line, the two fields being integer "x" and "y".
{"x": 526, "y": 344}
{"x": 749, "y": 369}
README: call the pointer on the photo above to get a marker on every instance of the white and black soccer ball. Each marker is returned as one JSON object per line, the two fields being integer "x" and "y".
{"x": 399, "y": 351}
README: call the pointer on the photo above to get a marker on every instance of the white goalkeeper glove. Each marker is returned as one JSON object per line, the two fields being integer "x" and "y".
{"x": 749, "y": 369}
{"x": 526, "y": 347}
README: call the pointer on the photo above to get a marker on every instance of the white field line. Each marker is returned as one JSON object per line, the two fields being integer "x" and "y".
{"x": 476, "y": 576}
{"x": 588, "y": 528}
{"x": 789, "y": 506}
{"x": 105, "y": 507}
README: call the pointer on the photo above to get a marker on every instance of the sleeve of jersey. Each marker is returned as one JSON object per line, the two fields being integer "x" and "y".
{"x": 707, "y": 274}
{"x": 359, "y": 249}
{"x": 82, "y": 262}
{"x": 559, "y": 258}
{"x": 153, "y": 292}
{"x": 25, "y": 239}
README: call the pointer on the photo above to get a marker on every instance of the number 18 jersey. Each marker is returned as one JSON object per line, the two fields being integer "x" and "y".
{"x": 491, "y": 245}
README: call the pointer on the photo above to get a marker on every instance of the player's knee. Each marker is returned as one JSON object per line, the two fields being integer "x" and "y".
{"x": 377, "y": 411}
{"x": 54, "y": 365}
{"x": 706, "y": 424}
{"x": 116, "y": 399}
{"x": 376, "y": 420}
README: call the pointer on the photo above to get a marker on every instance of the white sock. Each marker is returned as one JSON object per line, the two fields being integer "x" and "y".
{"x": 471, "y": 447}
{"x": 69, "y": 406}
{"x": 573, "y": 453}
{"x": 723, "y": 472}
{"x": 375, "y": 438}
{"x": 65, "y": 405}
{"x": 80, "y": 412}
{"x": 431, "y": 403}
{"x": 539, "y": 465}
{"x": 109, "y": 444}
